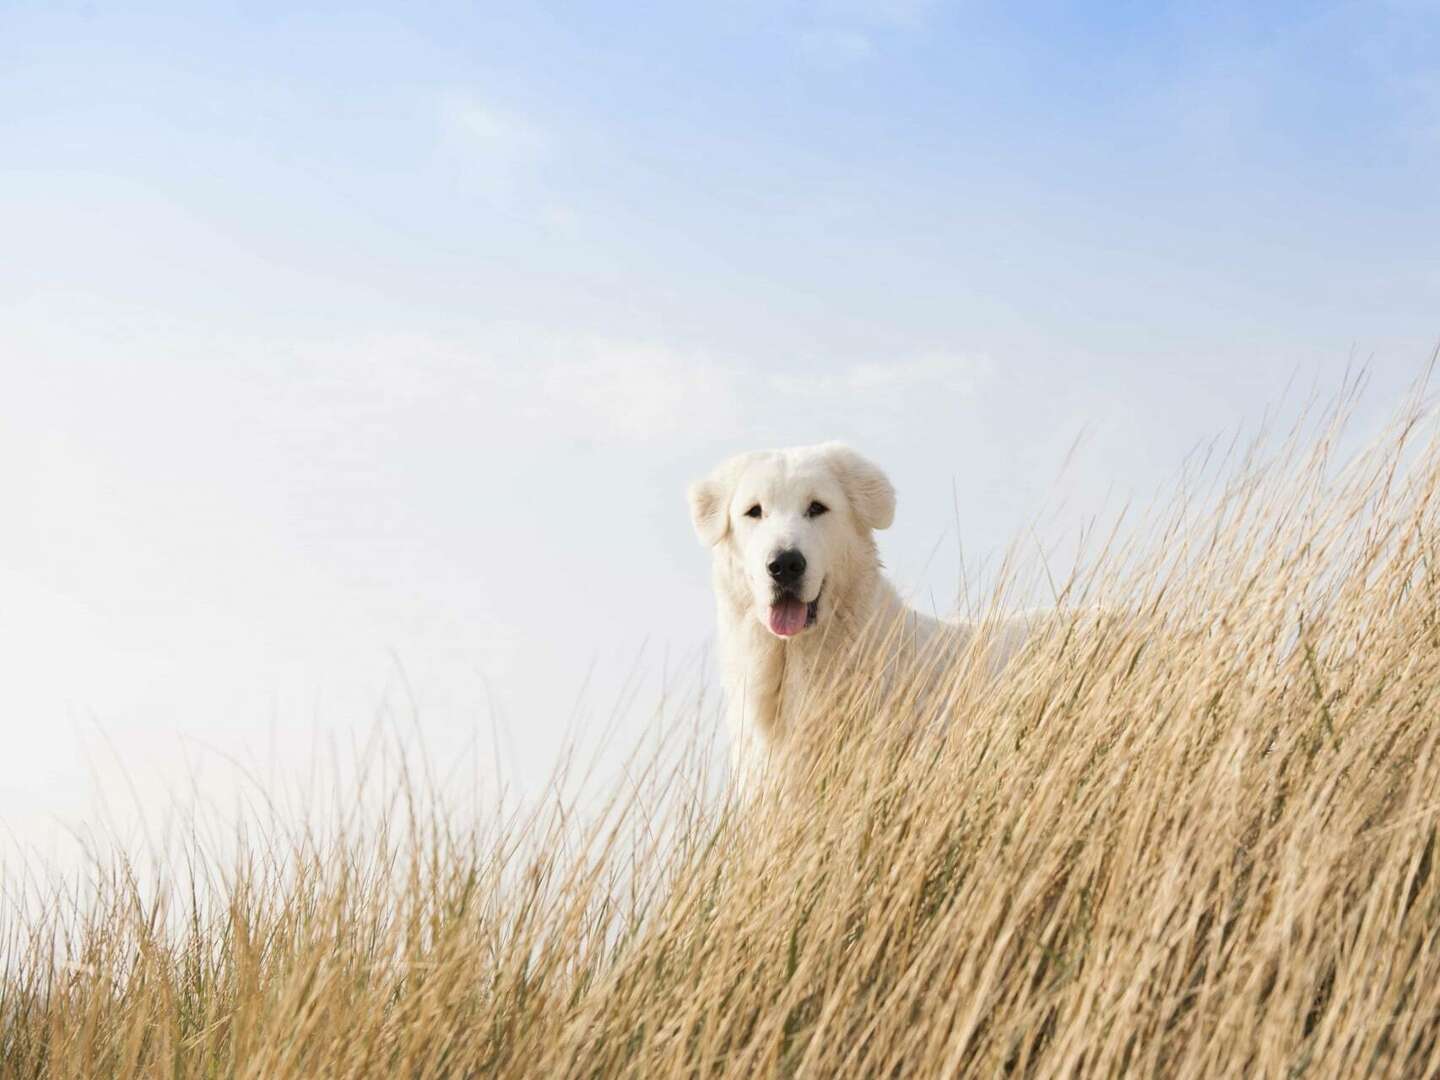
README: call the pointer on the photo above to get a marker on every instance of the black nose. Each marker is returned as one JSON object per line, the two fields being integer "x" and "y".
{"x": 787, "y": 567}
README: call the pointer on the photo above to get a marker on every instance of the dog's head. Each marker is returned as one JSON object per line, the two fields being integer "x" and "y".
{"x": 790, "y": 526}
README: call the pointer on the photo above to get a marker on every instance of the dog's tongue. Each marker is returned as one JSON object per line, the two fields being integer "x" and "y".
{"x": 788, "y": 617}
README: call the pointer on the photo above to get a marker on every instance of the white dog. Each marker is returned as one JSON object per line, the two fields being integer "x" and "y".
{"x": 797, "y": 579}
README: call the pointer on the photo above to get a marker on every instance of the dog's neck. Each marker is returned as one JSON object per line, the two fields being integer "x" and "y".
{"x": 766, "y": 677}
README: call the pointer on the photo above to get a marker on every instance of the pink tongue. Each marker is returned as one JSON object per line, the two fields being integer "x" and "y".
{"x": 788, "y": 617}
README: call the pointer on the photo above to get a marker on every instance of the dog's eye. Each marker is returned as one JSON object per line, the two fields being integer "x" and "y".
{"x": 754, "y": 511}
{"x": 816, "y": 509}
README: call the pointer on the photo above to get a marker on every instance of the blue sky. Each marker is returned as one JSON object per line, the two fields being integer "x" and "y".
{"x": 336, "y": 333}
{"x": 759, "y": 174}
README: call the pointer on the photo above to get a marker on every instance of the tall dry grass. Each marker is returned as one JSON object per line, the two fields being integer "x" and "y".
{"x": 1190, "y": 831}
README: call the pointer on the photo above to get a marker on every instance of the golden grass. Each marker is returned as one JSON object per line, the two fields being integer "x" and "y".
{"x": 1192, "y": 834}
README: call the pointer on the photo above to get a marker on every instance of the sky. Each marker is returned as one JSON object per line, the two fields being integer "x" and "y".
{"x": 354, "y": 358}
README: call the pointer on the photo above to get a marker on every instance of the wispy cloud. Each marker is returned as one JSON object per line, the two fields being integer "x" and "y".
{"x": 898, "y": 13}
{"x": 523, "y": 386}
{"x": 491, "y": 146}
{"x": 640, "y": 392}
{"x": 637, "y": 392}
{"x": 887, "y": 384}
{"x": 842, "y": 33}
{"x": 832, "y": 47}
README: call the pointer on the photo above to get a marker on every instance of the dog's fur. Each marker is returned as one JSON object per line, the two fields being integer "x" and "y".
{"x": 769, "y": 660}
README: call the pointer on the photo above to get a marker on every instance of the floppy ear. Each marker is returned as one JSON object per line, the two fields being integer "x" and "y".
{"x": 710, "y": 500}
{"x": 868, "y": 489}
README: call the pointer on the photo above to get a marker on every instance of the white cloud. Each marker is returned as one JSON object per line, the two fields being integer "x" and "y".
{"x": 560, "y": 218}
{"x": 888, "y": 384}
{"x": 488, "y": 145}
{"x": 899, "y": 13}
{"x": 842, "y": 33}
{"x": 634, "y": 392}
{"x": 835, "y": 47}
{"x": 488, "y": 125}
{"x": 637, "y": 392}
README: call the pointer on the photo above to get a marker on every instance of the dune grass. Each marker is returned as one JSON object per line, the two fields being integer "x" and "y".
{"x": 1190, "y": 831}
